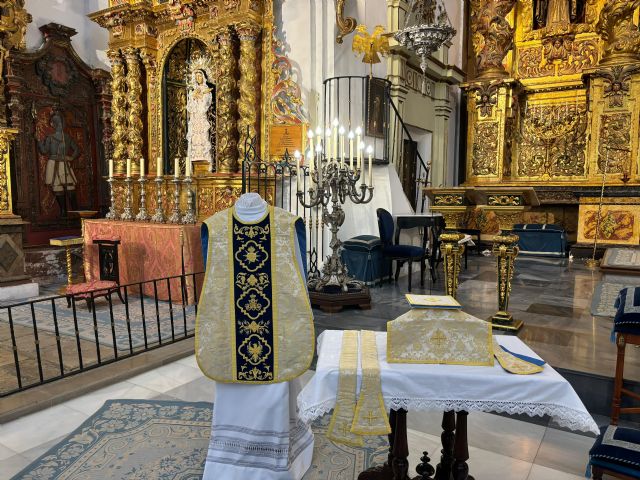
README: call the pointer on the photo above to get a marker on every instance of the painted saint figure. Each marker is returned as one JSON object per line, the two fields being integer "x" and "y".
{"x": 199, "y": 100}
{"x": 61, "y": 150}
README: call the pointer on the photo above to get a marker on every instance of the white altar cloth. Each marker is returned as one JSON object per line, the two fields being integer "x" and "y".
{"x": 451, "y": 387}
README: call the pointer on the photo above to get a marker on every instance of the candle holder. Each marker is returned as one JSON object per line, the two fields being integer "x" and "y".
{"x": 175, "y": 215}
{"x": 334, "y": 183}
{"x": 190, "y": 216}
{"x": 111, "y": 214}
{"x": 127, "y": 214}
{"x": 142, "y": 215}
{"x": 158, "y": 216}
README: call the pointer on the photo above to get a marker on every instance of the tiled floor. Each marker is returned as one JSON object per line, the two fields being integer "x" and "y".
{"x": 500, "y": 447}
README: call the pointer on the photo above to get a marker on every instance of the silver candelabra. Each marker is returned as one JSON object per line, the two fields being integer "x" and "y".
{"x": 175, "y": 214}
{"x": 111, "y": 215}
{"x": 158, "y": 216}
{"x": 333, "y": 182}
{"x": 190, "y": 215}
{"x": 142, "y": 215}
{"x": 127, "y": 214}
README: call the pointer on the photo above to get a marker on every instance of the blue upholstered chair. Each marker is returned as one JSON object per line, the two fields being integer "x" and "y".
{"x": 398, "y": 252}
{"x": 616, "y": 451}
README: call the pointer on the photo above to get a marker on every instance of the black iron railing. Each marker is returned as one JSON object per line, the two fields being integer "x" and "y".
{"x": 56, "y": 337}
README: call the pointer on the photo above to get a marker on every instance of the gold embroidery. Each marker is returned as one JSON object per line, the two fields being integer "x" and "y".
{"x": 514, "y": 364}
{"x": 252, "y": 256}
{"x": 376, "y": 421}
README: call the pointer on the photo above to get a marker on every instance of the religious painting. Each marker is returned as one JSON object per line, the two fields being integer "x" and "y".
{"x": 64, "y": 180}
{"x": 557, "y": 13}
{"x": 375, "y": 116}
{"x": 618, "y": 224}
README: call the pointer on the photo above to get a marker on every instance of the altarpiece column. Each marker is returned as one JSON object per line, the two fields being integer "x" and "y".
{"x": 134, "y": 100}
{"x": 227, "y": 105}
{"x": 249, "y": 104}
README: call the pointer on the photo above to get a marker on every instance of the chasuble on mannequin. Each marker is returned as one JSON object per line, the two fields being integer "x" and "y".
{"x": 254, "y": 323}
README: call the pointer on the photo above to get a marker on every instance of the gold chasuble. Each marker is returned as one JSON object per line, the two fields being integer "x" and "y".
{"x": 254, "y": 322}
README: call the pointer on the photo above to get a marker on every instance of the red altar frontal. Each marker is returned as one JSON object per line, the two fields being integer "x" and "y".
{"x": 148, "y": 251}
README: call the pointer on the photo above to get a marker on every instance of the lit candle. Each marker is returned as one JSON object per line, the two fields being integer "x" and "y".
{"x": 360, "y": 149}
{"x": 327, "y": 143}
{"x": 358, "y": 134}
{"x": 141, "y": 167}
{"x": 128, "y": 167}
{"x": 351, "y": 150}
{"x": 176, "y": 167}
{"x": 310, "y": 137}
{"x": 335, "y": 138}
{"x": 341, "y": 132}
{"x": 296, "y": 154}
{"x": 318, "y": 132}
{"x": 159, "y": 167}
{"x": 187, "y": 167}
{"x": 319, "y": 162}
{"x": 110, "y": 168}
{"x": 312, "y": 163}
{"x": 370, "y": 152}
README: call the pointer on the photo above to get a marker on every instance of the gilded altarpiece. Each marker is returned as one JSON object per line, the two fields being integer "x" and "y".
{"x": 553, "y": 97}
{"x": 155, "y": 48}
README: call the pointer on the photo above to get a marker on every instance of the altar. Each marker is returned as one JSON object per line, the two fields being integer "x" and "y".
{"x": 148, "y": 252}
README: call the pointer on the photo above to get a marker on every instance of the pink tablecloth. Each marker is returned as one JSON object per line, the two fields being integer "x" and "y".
{"x": 148, "y": 251}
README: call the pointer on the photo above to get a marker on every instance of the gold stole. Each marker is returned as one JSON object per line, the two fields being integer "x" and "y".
{"x": 514, "y": 364}
{"x": 367, "y": 416}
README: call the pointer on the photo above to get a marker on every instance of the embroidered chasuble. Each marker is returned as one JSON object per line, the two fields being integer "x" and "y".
{"x": 254, "y": 323}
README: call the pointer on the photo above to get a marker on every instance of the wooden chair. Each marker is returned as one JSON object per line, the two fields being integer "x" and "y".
{"x": 616, "y": 451}
{"x": 109, "y": 281}
{"x": 398, "y": 252}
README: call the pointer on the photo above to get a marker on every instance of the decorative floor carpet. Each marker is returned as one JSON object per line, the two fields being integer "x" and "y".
{"x": 162, "y": 440}
{"x": 45, "y": 320}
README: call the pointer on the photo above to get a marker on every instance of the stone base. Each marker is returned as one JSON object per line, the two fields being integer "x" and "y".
{"x": 18, "y": 290}
{"x": 11, "y": 252}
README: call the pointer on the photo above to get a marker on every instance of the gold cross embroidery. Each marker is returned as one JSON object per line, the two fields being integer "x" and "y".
{"x": 370, "y": 418}
{"x": 346, "y": 431}
{"x": 439, "y": 339}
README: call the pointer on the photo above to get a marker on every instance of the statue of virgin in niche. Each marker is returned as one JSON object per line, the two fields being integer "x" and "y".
{"x": 557, "y": 13}
{"x": 199, "y": 100}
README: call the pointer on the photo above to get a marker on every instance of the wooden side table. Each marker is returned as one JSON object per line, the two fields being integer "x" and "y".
{"x": 67, "y": 243}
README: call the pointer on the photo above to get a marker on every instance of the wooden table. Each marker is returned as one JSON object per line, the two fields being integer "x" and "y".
{"x": 67, "y": 243}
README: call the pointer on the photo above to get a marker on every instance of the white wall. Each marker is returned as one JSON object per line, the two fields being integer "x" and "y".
{"x": 91, "y": 40}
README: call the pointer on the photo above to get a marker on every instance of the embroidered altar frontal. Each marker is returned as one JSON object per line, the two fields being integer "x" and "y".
{"x": 254, "y": 319}
{"x": 432, "y": 335}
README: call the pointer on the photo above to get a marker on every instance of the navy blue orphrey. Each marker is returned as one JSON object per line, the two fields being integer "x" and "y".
{"x": 627, "y": 319}
{"x": 253, "y": 300}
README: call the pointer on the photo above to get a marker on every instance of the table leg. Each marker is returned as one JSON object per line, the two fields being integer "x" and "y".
{"x": 400, "y": 462}
{"x": 443, "y": 470}
{"x": 461, "y": 450}
{"x": 398, "y": 422}
{"x": 69, "y": 269}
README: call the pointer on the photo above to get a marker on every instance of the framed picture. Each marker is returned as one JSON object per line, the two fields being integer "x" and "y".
{"x": 375, "y": 115}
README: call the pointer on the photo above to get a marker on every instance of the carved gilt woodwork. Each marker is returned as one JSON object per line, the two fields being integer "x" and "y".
{"x": 346, "y": 25}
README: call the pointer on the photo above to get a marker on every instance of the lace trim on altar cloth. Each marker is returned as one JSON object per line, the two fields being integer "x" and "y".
{"x": 564, "y": 416}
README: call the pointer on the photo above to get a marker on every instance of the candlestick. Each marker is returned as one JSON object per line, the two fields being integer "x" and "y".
{"x": 335, "y": 138}
{"x": 310, "y": 137}
{"x": 350, "y": 150}
{"x": 142, "y": 215}
{"x": 296, "y": 154}
{"x": 370, "y": 152}
{"x": 175, "y": 214}
{"x": 327, "y": 143}
{"x": 128, "y": 167}
{"x": 159, "y": 167}
{"x": 190, "y": 215}
{"x": 176, "y": 168}
{"x": 127, "y": 214}
{"x": 111, "y": 215}
{"x": 341, "y": 132}
{"x": 158, "y": 216}
{"x": 110, "y": 168}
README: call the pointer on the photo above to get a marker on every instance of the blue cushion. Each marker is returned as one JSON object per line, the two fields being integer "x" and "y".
{"x": 617, "y": 448}
{"x": 547, "y": 227}
{"x": 406, "y": 251}
{"x": 627, "y": 319}
{"x": 362, "y": 243}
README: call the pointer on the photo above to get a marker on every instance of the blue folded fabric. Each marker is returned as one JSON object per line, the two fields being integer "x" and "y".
{"x": 627, "y": 319}
{"x": 526, "y": 358}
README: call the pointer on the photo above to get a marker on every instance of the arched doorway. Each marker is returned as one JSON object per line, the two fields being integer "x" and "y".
{"x": 175, "y": 78}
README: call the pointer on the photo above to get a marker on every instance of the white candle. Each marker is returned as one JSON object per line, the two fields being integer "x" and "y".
{"x": 187, "y": 164}
{"x": 110, "y": 168}
{"x": 319, "y": 163}
{"x": 318, "y": 132}
{"x": 128, "y": 167}
{"x": 358, "y": 134}
{"x": 370, "y": 152}
{"x": 360, "y": 149}
{"x": 327, "y": 143}
{"x": 159, "y": 167}
{"x": 312, "y": 163}
{"x": 335, "y": 138}
{"x": 141, "y": 167}
{"x": 296, "y": 154}
{"x": 341, "y": 132}
{"x": 350, "y": 150}
{"x": 310, "y": 137}
{"x": 176, "y": 167}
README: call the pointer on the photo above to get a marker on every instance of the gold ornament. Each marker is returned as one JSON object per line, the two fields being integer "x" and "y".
{"x": 616, "y": 28}
{"x": 118, "y": 112}
{"x": 134, "y": 100}
{"x": 249, "y": 86}
{"x": 227, "y": 126}
{"x": 346, "y": 25}
{"x": 372, "y": 46}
